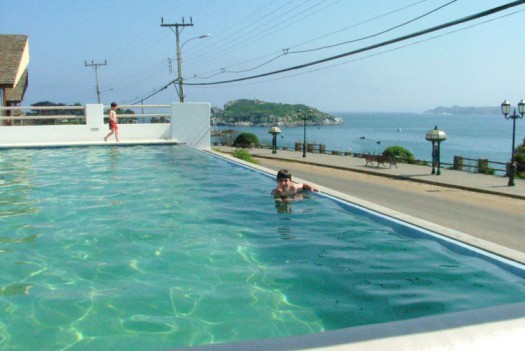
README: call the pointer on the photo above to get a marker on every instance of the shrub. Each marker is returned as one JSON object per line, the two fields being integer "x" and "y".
{"x": 400, "y": 153}
{"x": 519, "y": 158}
{"x": 247, "y": 139}
{"x": 244, "y": 155}
{"x": 483, "y": 167}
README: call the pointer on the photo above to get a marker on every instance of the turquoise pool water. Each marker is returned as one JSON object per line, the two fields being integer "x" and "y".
{"x": 158, "y": 247}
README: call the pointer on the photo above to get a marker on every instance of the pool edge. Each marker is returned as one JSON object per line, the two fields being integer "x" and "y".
{"x": 484, "y": 329}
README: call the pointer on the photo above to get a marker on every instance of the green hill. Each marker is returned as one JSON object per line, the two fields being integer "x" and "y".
{"x": 260, "y": 113}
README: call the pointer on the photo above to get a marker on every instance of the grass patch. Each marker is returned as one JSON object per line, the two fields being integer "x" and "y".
{"x": 245, "y": 156}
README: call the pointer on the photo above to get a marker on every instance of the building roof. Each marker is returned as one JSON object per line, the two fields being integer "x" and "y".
{"x": 12, "y": 48}
{"x": 17, "y": 93}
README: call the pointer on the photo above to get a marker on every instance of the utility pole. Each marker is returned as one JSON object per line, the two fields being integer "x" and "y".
{"x": 95, "y": 66}
{"x": 178, "y": 29}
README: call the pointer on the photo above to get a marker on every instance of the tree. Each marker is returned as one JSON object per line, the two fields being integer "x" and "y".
{"x": 245, "y": 139}
{"x": 519, "y": 158}
{"x": 57, "y": 112}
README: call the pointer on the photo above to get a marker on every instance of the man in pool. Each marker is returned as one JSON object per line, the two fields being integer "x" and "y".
{"x": 287, "y": 190}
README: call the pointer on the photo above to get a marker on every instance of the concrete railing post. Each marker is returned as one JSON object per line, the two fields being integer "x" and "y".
{"x": 95, "y": 117}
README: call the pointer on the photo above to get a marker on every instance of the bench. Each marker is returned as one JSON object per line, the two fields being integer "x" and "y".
{"x": 245, "y": 146}
{"x": 380, "y": 160}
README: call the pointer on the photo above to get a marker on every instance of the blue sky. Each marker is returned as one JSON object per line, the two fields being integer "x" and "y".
{"x": 479, "y": 63}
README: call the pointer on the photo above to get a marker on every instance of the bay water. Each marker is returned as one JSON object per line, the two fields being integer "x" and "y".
{"x": 470, "y": 136}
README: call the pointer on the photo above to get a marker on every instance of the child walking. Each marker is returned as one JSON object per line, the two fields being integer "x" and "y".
{"x": 113, "y": 126}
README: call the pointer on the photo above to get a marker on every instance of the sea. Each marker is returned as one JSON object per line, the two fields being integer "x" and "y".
{"x": 470, "y": 136}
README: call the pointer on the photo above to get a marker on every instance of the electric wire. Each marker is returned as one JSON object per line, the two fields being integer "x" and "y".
{"x": 361, "y": 23}
{"x": 376, "y": 34}
{"x": 399, "y": 39}
{"x": 287, "y": 51}
{"x": 397, "y": 48}
{"x": 374, "y": 46}
{"x": 284, "y": 51}
{"x": 268, "y": 27}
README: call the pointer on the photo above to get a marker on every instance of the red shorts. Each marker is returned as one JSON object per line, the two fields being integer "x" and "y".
{"x": 113, "y": 125}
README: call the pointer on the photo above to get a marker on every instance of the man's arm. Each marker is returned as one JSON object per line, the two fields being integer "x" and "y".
{"x": 309, "y": 187}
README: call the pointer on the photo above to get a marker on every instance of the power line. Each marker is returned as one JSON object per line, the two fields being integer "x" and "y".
{"x": 376, "y": 34}
{"x": 271, "y": 25}
{"x": 287, "y": 51}
{"x": 403, "y": 46}
{"x": 363, "y": 22}
{"x": 448, "y": 24}
{"x": 375, "y": 46}
{"x": 295, "y": 18}
{"x": 368, "y": 56}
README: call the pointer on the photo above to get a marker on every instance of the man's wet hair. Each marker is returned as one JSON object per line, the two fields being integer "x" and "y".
{"x": 284, "y": 174}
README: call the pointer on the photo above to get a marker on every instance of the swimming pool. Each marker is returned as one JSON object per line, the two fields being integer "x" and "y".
{"x": 158, "y": 247}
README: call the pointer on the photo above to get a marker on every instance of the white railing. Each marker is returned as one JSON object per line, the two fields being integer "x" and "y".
{"x": 150, "y": 122}
{"x": 143, "y": 117}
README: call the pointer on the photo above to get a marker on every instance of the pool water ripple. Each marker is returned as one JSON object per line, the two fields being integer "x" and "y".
{"x": 142, "y": 248}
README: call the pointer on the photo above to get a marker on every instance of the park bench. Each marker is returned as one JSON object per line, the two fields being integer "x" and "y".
{"x": 380, "y": 160}
{"x": 245, "y": 146}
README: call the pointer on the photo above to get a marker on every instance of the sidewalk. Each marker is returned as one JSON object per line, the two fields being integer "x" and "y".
{"x": 489, "y": 184}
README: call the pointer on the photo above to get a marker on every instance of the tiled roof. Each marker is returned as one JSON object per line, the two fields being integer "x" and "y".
{"x": 11, "y": 50}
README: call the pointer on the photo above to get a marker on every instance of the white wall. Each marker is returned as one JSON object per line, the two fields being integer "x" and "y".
{"x": 190, "y": 124}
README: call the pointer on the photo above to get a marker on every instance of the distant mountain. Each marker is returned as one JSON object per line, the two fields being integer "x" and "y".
{"x": 246, "y": 112}
{"x": 460, "y": 110}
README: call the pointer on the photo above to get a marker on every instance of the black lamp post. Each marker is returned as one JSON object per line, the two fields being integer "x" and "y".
{"x": 304, "y": 117}
{"x": 505, "y": 109}
{"x": 304, "y": 136}
{"x": 274, "y": 131}
{"x": 436, "y": 136}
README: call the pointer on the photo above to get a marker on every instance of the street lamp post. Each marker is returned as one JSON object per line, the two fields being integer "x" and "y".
{"x": 304, "y": 117}
{"x": 179, "y": 62}
{"x": 274, "y": 131}
{"x": 505, "y": 109}
{"x": 436, "y": 136}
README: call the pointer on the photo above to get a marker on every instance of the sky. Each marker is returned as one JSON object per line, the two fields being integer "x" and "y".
{"x": 477, "y": 63}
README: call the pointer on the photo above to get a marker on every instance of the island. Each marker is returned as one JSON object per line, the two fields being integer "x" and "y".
{"x": 249, "y": 113}
{"x": 461, "y": 110}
